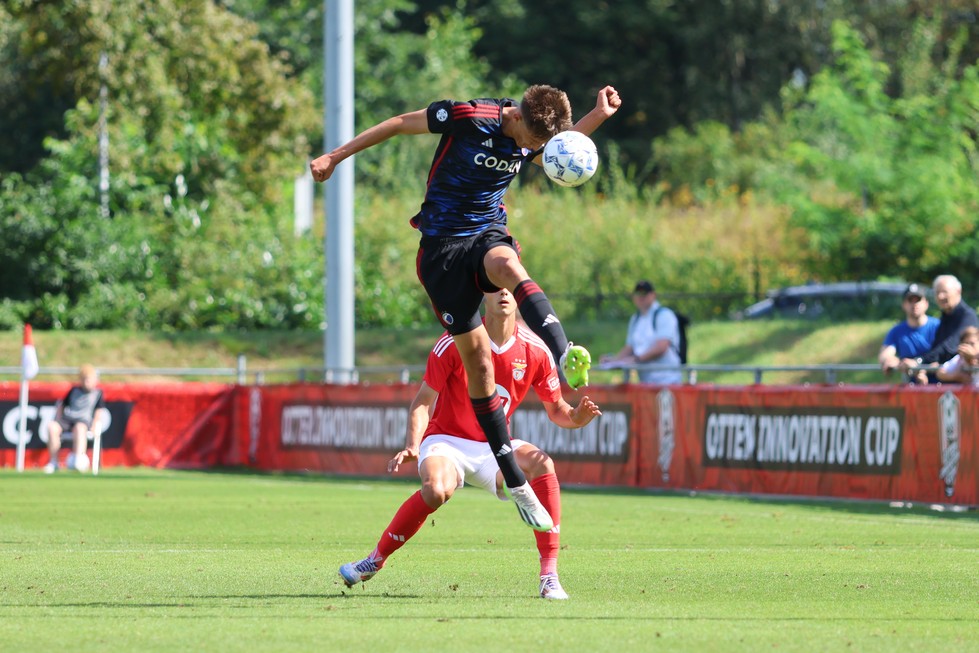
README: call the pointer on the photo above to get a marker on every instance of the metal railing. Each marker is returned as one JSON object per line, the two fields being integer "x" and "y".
{"x": 830, "y": 373}
{"x": 242, "y": 375}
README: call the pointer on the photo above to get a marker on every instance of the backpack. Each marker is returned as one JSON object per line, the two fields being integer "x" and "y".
{"x": 682, "y": 322}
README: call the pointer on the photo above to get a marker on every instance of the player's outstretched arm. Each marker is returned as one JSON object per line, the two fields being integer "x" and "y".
{"x": 607, "y": 103}
{"x": 415, "y": 122}
{"x": 418, "y": 415}
{"x": 561, "y": 413}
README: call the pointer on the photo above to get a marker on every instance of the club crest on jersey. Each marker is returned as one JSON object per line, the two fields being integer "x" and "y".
{"x": 519, "y": 370}
{"x": 447, "y": 318}
{"x": 441, "y": 115}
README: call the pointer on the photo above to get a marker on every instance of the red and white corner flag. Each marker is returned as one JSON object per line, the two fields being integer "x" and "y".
{"x": 29, "y": 369}
{"x": 28, "y": 357}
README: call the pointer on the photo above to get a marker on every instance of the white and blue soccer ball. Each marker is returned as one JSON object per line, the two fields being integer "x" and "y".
{"x": 570, "y": 158}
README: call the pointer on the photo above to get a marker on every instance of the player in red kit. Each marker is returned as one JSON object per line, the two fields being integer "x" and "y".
{"x": 450, "y": 446}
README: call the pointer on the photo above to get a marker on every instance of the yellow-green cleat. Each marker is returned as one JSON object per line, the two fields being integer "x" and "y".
{"x": 575, "y": 363}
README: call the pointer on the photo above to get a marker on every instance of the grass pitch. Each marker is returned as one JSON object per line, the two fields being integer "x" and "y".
{"x": 178, "y": 561}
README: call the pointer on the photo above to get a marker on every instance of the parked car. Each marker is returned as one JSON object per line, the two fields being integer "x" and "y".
{"x": 842, "y": 300}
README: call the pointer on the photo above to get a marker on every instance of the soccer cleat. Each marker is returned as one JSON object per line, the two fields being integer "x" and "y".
{"x": 550, "y": 588}
{"x": 358, "y": 572}
{"x": 51, "y": 468}
{"x": 575, "y": 363}
{"x": 529, "y": 506}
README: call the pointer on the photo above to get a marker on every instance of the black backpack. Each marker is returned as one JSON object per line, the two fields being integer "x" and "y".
{"x": 682, "y": 323}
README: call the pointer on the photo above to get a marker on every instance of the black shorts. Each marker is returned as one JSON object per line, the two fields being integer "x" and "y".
{"x": 452, "y": 272}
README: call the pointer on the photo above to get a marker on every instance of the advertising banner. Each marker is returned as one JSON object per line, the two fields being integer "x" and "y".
{"x": 863, "y": 442}
{"x": 148, "y": 424}
{"x": 890, "y": 443}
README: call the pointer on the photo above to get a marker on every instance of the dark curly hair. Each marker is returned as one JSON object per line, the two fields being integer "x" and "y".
{"x": 546, "y": 111}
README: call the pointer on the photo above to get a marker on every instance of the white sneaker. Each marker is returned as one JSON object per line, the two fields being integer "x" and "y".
{"x": 78, "y": 463}
{"x": 529, "y": 506}
{"x": 51, "y": 468}
{"x": 550, "y": 588}
{"x": 358, "y": 572}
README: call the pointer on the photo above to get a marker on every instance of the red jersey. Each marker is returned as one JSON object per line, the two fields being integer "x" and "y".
{"x": 521, "y": 363}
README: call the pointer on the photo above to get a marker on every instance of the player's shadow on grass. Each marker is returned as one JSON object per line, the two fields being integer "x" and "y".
{"x": 323, "y": 595}
{"x": 205, "y": 600}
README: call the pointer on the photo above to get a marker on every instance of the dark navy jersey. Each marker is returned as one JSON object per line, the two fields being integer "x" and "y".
{"x": 473, "y": 166}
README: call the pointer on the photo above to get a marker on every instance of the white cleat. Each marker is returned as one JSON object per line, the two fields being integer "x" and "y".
{"x": 358, "y": 572}
{"x": 529, "y": 506}
{"x": 550, "y": 588}
{"x": 50, "y": 468}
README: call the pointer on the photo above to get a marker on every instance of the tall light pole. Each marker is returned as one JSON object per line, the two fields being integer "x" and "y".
{"x": 104, "y": 135}
{"x": 338, "y": 120}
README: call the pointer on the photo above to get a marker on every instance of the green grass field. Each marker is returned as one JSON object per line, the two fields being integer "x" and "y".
{"x": 140, "y": 560}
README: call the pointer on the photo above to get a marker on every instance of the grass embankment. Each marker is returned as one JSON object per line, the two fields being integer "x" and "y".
{"x": 763, "y": 343}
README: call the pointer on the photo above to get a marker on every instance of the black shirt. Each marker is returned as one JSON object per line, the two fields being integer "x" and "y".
{"x": 950, "y": 327}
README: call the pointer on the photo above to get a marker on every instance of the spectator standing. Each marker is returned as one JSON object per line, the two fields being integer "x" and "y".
{"x": 964, "y": 366}
{"x": 77, "y": 414}
{"x": 653, "y": 338}
{"x": 956, "y": 316}
{"x": 911, "y": 337}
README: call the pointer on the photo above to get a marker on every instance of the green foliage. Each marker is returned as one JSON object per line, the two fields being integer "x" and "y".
{"x": 711, "y": 163}
{"x": 203, "y": 126}
{"x": 678, "y": 64}
{"x": 880, "y": 185}
{"x": 213, "y": 107}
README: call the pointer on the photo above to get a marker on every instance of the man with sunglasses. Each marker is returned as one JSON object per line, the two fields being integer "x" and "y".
{"x": 911, "y": 337}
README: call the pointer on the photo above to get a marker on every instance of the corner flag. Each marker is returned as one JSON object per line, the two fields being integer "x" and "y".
{"x": 29, "y": 369}
{"x": 28, "y": 357}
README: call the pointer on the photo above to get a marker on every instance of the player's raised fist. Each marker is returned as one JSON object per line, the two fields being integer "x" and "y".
{"x": 322, "y": 167}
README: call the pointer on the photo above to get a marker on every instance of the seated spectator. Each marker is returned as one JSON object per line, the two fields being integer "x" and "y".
{"x": 910, "y": 337}
{"x": 956, "y": 316}
{"x": 653, "y": 338}
{"x": 77, "y": 414}
{"x": 964, "y": 366}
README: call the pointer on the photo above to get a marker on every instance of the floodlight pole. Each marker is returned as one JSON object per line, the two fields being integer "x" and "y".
{"x": 338, "y": 121}
{"x": 103, "y": 136}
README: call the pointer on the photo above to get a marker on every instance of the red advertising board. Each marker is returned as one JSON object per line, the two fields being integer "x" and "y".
{"x": 890, "y": 443}
{"x": 865, "y": 442}
{"x": 151, "y": 424}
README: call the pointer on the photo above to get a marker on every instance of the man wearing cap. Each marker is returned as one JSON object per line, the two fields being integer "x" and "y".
{"x": 912, "y": 336}
{"x": 653, "y": 339}
{"x": 956, "y": 316}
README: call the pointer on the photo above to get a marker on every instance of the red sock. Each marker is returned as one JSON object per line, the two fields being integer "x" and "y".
{"x": 548, "y": 490}
{"x": 409, "y": 518}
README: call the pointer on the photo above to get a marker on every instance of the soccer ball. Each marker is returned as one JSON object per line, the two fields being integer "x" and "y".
{"x": 570, "y": 158}
{"x": 78, "y": 463}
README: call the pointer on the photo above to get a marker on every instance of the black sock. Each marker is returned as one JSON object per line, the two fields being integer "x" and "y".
{"x": 492, "y": 419}
{"x": 539, "y": 315}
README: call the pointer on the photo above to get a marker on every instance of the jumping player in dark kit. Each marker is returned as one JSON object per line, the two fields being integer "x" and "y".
{"x": 466, "y": 249}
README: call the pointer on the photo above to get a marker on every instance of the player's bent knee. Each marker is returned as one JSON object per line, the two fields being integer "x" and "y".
{"x": 436, "y": 493}
{"x": 534, "y": 462}
{"x": 505, "y": 271}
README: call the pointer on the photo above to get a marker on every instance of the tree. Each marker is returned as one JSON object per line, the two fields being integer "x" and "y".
{"x": 204, "y": 127}
{"x": 882, "y": 187}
